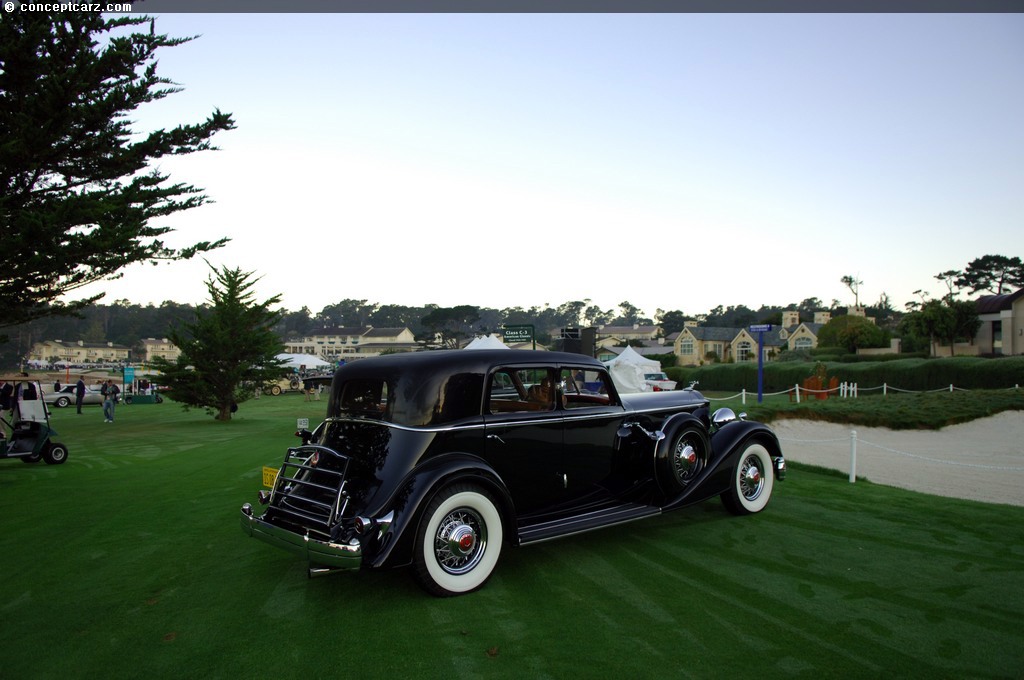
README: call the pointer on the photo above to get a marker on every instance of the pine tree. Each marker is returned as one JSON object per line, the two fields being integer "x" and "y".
{"x": 78, "y": 195}
{"x": 228, "y": 351}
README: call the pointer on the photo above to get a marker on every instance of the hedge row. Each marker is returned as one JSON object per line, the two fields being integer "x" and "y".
{"x": 904, "y": 374}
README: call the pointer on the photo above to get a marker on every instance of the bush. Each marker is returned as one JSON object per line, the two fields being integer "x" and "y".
{"x": 905, "y": 374}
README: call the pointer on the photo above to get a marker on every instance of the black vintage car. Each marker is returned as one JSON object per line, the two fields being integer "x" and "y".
{"x": 441, "y": 459}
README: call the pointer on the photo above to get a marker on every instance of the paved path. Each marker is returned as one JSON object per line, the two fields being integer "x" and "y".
{"x": 982, "y": 460}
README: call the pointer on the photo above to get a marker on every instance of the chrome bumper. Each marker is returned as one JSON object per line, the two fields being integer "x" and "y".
{"x": 780, "y": 467}
{"x": 314, "y": 551}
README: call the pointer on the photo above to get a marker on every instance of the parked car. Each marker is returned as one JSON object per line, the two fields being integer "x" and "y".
{"x": 291, "y": 383}
{"x": 659, "y": 382}
{"x": 66, "y": 396}
{"x": 443, "y": 459}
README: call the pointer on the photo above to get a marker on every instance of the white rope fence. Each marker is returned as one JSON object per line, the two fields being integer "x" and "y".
{"x": 845, "y": 390}
{"x": 853, "y": 455}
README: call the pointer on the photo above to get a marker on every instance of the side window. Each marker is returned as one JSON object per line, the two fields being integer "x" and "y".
{"x": 582, "y": 388}
{"x": 522, "y": 389}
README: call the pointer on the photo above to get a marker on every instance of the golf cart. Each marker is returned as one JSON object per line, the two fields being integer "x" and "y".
{"x": 25, "y": 430}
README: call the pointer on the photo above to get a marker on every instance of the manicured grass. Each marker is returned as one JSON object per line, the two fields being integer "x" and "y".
{"x": 128, "y": 561}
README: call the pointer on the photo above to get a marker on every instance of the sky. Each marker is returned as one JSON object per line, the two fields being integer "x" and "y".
{"x": 674, "y": 161}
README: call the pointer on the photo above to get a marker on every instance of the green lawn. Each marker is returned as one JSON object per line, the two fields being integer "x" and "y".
{"x": 128, "y": 561}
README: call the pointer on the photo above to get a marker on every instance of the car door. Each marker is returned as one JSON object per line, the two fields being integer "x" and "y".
{"x": 523, "y": 436}
{"x": 591, "y": 419}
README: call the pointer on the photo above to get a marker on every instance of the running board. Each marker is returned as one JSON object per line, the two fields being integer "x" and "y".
{"x": 577, "y": 524}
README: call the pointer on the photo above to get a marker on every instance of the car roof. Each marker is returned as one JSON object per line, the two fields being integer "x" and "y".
{"x": 440, "y": 386}
{"x": 463, "y": 360}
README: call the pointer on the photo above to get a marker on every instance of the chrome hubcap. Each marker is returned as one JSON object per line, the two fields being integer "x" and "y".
{"x": 460, "y": 541}
{"x": 751, "y": 478}
{"x": 686, "y": 461}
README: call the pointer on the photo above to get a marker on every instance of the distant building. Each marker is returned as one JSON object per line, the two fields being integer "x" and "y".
{"x": 78, "y": 353}
{"x": 696, "y": 345}
{"x": 1002, "y": 324}
{"x": 626, "y": 333}
{"x": 332, "y": 344}
{"x": 162, "y": 348}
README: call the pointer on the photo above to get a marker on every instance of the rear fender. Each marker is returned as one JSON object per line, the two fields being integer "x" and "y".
{"x": 396, "y": 547}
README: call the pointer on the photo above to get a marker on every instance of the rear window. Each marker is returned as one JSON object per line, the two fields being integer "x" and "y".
{"x": 365, "y": 397}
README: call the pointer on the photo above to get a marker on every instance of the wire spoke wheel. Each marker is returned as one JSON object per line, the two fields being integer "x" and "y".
{"x": 458, "y": 542}
{"x": 752, "y": 481}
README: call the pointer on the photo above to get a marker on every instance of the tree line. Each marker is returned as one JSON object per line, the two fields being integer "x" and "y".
{"x": 81, "y": 198}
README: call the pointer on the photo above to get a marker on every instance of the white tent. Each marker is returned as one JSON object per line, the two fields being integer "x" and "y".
{"x": 628, "y": 370}
{"x": 487, "y": 342}
{"x": 310, "y": 361}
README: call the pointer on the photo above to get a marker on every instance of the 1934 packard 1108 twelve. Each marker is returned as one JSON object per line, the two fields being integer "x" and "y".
{"x": 441, "y": 459}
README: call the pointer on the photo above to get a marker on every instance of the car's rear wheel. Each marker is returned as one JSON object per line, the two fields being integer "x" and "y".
{"x": 458, "y": 542}
{"x": 752, "y": 481}
{"x": 62, "y": 402}
{"x": 275, "y": 390}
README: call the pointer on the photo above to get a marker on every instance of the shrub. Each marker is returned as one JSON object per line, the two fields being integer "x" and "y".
{"x": 915, "y": 374}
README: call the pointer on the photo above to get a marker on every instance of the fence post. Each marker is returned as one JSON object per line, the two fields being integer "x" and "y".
{"x": 796, "y": 389}
{"x": 743, "y": 398}
{"x": 885, "y": 389}
{"x": 950, "y": 387}
{"x": 854, "y": 390}
{"x": 853, "y": 456}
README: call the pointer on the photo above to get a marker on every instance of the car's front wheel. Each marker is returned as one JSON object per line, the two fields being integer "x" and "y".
{"x": 752, "y": 481}
{"x": 458, "y": 542}
{"x": 62, "y": 402}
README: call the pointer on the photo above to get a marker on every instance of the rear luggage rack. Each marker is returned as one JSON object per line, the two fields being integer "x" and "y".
{"x": 311, "y": 492}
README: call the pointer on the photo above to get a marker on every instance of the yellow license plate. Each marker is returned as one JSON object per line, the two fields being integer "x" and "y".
{"x": 269, "y": 476}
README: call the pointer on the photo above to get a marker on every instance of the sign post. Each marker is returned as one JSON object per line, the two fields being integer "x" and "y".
{"x": 516, "y": 334}
{"x": 760, "y": 329}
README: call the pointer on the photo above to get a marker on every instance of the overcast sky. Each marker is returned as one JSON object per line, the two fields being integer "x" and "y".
{"x": 675, "y": 161}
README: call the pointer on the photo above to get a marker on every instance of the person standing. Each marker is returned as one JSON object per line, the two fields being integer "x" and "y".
{"x": 110, "y": 392}
{"x": 79, "y": 393}
{"x": 6, "y": 396}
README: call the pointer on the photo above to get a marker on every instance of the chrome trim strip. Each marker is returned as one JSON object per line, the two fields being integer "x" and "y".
{"x": 563, "y": 415}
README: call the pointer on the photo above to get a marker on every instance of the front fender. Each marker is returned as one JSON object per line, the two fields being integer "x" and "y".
{"x": 396, "y": 548}
{"x": 727, "y": 440}
{"x": 733, "y": 437}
